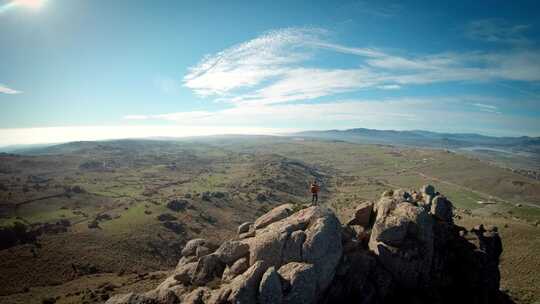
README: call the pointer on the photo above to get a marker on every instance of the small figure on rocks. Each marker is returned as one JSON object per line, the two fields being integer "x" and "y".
{"x": 315, "y": 188}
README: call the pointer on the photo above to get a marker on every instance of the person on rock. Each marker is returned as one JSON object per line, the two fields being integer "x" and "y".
{"x": 315, "y": 188}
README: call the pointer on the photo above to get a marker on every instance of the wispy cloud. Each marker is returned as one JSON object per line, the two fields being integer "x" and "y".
{"x": 497, "y": 30}
{"x": 396, "y": 113}
{"x": 7, "y": 90}
{"x": 487, "y": 108}
{"x": 281, "y": 66}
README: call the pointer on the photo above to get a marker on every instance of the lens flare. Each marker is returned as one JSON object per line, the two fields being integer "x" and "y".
{"x": 30, "y": 4}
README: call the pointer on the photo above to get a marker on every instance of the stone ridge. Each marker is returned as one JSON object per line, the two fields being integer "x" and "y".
{"x": 404, "y": 248}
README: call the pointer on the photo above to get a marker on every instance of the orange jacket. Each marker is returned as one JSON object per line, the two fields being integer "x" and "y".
{"x": 315, "y": 188}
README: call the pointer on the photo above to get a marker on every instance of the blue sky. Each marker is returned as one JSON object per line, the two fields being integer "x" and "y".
{"x": 75, "y": 69}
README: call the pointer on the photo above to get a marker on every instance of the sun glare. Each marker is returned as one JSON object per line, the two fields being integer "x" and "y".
{"x": 34, "y": 4}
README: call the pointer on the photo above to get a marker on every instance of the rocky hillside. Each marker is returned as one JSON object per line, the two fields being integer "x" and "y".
{"x": 404, "y": 248}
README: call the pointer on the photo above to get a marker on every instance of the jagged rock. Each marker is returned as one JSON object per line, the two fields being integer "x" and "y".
{"x": 202, "y": 251}
{"x": 274, "y": 215}
{"x": 362, "y": 215}
{"x": 235, "y": 269}
{"x": 197, "y": 296}
{"x": 243, "y": 289}
{"x": 244, "y": 227}
{"x": 184, "y": 273}
{"x": 131, "y": 298}
{"x": 186, "y": 259}
{"x": 292, "y": 251}
{"x": 441, "y": 207}
{"x": 246, "y": 235}
{"x": 322, "y": 246}
{"x": 208, "y": 268}
{"x": 191, "y": 247}
{"x": 231, "y": 251}
{"x": 301, "y": 283}
{"x": 403, "y": 243}
{"x": 270, "y": 287}
{"x": 411, "y": 254}
{"x": 267, "y": 247}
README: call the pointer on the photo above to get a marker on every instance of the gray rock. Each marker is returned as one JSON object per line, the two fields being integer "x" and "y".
{"x": 362, "y": 215}
{"x": 235, "y": 269}
{"x": 244, "y": 227}
{"x": 270, "y": 287}
{"x": 246, "y": 235}
{"x": 131, "y": 298}
{"x": 292, "y": 251}
{"x": 322, "y": 246}
{"x": 267, "y": 247}
{"x": 273, "y": 215}
{"x": 202, "y": 251}
{"x": 301, "y": 279}
{"x": 403, "y": 243}
{"x": 243, "y": 289}
{"x": 208, "y": 268}
{"x": 230, "y": 251}
{"x": 191, "y": 247}
{"x": 197, "y": 296}
{"x": 185, "y": 260}
{"x": 184, "y": 273}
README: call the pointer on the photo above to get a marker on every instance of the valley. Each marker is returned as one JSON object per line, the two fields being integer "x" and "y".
{"x": 78, "y": 216}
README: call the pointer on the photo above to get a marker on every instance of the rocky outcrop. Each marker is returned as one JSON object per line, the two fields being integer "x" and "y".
{"x": 406, "y": 249}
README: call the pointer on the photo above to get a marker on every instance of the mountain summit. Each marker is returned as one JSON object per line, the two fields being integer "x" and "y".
{"x": 403, "y": 248}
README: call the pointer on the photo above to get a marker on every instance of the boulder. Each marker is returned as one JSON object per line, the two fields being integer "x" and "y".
{"x": 208, "y": 267}
{"x": 273, "y": 215}
{"x": 244, "y": 227}
{"x": 184, "y": 273}
{"x": 403, "y": 243}
{"x": 270, "y": 291}
{"x": 267, "y": 247}
{"x": 197, "y": 296}
{"x": 322, "y": 247}
{"x": 131, "y": 298}
{"x": 191, "y": 247}
{"x": 235, "y": 269}
{"x": 202, "y": 251}
{"x": 230, "y": 251}
{"x": 243, "y": 289}
{"x": 292, "y": 250}
{"x": 362, "y": 215}
{"x": 301, "y": 283}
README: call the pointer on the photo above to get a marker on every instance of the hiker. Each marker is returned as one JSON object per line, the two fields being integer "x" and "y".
{"x": 315, "y": 188}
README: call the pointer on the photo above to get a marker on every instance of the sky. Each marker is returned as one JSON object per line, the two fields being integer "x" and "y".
{"x": 99, "y": 69}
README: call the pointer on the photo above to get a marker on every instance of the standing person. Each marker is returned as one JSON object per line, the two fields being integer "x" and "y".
{"x": 315, "y": 188}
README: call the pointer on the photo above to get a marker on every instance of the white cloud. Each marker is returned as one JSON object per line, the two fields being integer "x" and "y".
{"x": 487, "y": 108}
{"x": 7, "y": 90}
{"x": 497, "y": 30}
{"x": 389, "y": 87}
{"x": 398, "y": 113}
{"x": 281, "y": 66}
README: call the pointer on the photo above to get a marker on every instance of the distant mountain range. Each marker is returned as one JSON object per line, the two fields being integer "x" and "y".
{"x": 420, "y": 138}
